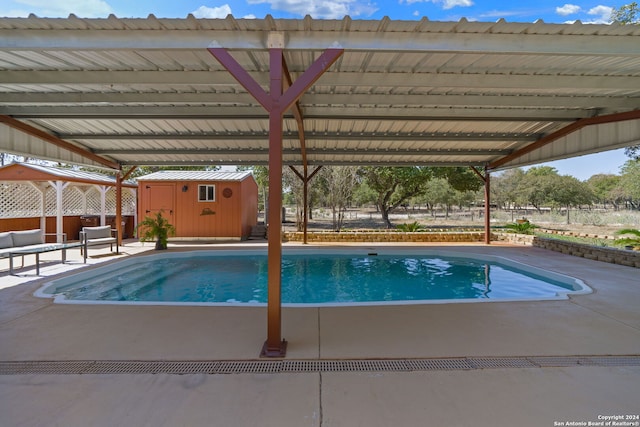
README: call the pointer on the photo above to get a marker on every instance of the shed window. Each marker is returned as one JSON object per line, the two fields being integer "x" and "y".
{"x": 206, "y": 193}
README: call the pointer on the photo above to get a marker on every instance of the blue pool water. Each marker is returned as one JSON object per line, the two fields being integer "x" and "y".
{"x": 311, "y": 278}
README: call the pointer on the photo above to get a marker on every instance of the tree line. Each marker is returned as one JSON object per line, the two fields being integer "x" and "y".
{"x": 390, "y": 188}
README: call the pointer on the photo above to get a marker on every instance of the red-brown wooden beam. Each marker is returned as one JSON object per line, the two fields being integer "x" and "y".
{"x": 30, "y": 130}
{"x": 119, "y": 180}
{"x": 275, "y": 346}
{"x": 276, "y": 103}
{"x": 487, "y": 206}
{"x": 577, "y": 125}
{"x": 486, "y": 178}
{"x": 297, "y": 114}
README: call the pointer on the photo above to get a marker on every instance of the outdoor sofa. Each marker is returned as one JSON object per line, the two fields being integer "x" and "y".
{"x": 27, "y": 242}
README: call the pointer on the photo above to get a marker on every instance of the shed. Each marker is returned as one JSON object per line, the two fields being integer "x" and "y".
{"x": 202, "y": 205}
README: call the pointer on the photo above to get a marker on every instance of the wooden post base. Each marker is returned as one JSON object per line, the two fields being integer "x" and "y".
{"x": 277, "y": 352}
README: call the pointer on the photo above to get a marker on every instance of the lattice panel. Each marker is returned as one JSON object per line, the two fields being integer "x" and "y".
{"x": 51, "y": 202}
{"x": 72, "y": 202}
{"x": 94, "y": 205}
{"x": 19, "y": 201}
{"x": 111, "y": 201}
{"x": 129, "y": 199}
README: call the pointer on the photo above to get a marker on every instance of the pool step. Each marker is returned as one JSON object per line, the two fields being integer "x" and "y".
{"x": 102, "y": 287}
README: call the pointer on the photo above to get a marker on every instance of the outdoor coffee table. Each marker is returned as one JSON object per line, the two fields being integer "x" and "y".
{"x": 37, "y": 250}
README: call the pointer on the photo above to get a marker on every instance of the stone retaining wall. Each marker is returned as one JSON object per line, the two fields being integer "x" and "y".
{"x": 382, "y": 237}
{"x": 605, "y": 254}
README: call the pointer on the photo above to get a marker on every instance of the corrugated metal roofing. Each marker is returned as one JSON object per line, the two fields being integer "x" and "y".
{"x": 75, "y": 175}
{"x": 147, "y": 92}
{"x": 178, "y": 175}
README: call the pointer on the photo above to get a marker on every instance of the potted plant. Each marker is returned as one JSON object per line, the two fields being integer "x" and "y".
{"x": 632, "y": 243}
{"x": 156, "y": 228}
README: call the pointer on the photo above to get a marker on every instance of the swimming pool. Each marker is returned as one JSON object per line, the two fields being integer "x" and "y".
{"x": 311, "y": 277}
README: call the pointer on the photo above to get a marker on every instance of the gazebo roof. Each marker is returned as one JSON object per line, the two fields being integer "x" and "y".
{"x": 31, "y": 172}
{"x": 113, "y": 92}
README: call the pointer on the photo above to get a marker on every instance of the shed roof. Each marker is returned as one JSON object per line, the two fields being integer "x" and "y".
{"x": 195, "y": 176}
{"x": 147, "y": 91}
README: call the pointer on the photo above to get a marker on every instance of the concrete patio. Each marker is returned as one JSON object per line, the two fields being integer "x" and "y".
{"x": 603, "y": 323}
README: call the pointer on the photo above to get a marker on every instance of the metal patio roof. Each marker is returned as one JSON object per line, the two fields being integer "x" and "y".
{"x": 147, "y": 91}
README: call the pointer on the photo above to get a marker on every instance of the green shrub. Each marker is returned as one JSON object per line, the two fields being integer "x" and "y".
{"x": 633, "y": 242}
{"x": 411, "y": 227}
{"x": 521, "y": 227}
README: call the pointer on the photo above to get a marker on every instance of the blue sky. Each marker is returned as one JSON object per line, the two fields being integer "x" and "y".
{"x": 553, "y": 11}
{"x": 550, "y": 11}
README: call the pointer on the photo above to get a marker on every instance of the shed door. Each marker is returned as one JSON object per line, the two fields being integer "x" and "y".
{"x": 160, "y": 197}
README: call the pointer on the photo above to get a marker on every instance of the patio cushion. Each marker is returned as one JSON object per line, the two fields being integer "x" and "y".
{"x": 28, "y": 237}
{"x": 97, "y": 232}
{"x": 6, "y": 241}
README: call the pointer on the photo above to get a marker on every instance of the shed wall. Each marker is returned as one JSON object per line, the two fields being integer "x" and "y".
{"x": 230, "y": 215}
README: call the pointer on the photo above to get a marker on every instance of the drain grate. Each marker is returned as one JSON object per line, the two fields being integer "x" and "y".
{"x": 182, "y": 367}
{"x": 500, "y": 362}
{"x": 439, "y": 364}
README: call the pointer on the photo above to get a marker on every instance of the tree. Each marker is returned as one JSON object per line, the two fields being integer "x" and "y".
{"x": 569, "y": 191}
{"x": 537, "y": 185}
{"x": 438, "y": 192}
{"x": 294, "y": 188}
{"x": 338, "y": 184}
{"x": 629, "y": 14}
{"x": 506, "y": 188}
{"x": 630, "y": 183}
{"x": 394, "y": 185}
{"x": 602, "y": 186}
{"x": 261, "y": 175}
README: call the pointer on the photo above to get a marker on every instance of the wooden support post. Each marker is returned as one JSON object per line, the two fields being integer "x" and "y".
{"x": 118, "y": 208}
{"x": 276, "y": 103}
{"x": 274, "y": 345}
{"x": 487, "y": 206}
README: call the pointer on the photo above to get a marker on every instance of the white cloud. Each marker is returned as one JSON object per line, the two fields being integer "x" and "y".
{"x": 568, "y": 9}
{"x": 602, "y": 15}
{"x": 327, "y": 9}
{"x": 492, "y": 14}
{"x": 602, "y": 11}
{"x": 449, "y": 4}
{"x": 212, "y": 12}
{"x": 62, "y": 8}
{"x": 446, "y": 4}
